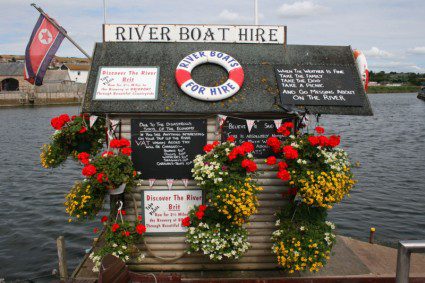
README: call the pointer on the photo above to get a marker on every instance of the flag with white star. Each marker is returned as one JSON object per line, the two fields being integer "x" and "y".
{"x": 42, "y": 46}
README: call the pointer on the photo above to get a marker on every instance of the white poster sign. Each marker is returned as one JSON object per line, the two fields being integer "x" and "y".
{"x": 164, "y": 210}
{"x": 127, "y": 83}
{"x": 194, "y": 33}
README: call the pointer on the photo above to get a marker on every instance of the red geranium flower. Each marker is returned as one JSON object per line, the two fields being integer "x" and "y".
{"x": 73, "y": 117}
{"x": 95, "y": 230}
{"x": 140, "y": 229}
{"x": 282, "y": 165}
{"x": 115, "y": 227}
{"x": 186, "y": 222}
{"x": 199, "y": 214}
{"x": 83, "y": 157}
{"x": 123, "y": 212}
{"x": 64, "y": 118}
{"x": 89, "y": 170}
{"x": 289, "y": 125}
{"x": 319, "y": 130}
{"x": 215, "y": 143}
{"x": 57, "y": 123}
{"x": 139, "y": 218}
{"x": 284, "y": 131}
{"x": 125, "y": 233}
{"x": 126, "y": 151}
{"x": 231, "y": 139}
{"x": 249, "y": 165}
{"x": 119, "y": 143}
{"x": 323, "y": 141}
{"x": 284, "y": 175}
{"x": 202, "y": 207}
{"x": 238, "y": 150}
{"x": 274, "y": 143}
{"x": 334, "y": 141}
{"x": 313, "y": 140}
{"x": 83, "y": 130}
{"x": 247, "y": 147}
{"x": 208, "y": 147}
{"x": 290, "y": 152}
{"x": 271, "y": 160}
{"x": 104, "y": 219}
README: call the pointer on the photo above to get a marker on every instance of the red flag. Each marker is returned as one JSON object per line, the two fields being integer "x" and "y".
{"x": 42, "y": 46}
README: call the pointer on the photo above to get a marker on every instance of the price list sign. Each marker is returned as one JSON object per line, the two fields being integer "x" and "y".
{"x": 165, "y": 148}
{"x": 318, "y": 85}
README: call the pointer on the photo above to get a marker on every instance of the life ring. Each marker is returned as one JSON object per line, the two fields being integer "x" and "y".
{"x": 195, "y": 90}
{"x": 362, "y": 67}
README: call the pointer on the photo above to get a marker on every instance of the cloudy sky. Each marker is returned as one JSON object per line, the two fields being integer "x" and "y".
{"x": 390, "y": 32}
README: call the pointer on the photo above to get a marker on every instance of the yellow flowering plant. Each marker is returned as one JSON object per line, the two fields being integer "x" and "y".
{"x": 303, "y": 240}
{"x": 236, "y": 201}
{"x": 84, "y": 201}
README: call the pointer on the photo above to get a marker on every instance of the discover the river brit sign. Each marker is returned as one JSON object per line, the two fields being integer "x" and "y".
{"x": 164, "y": 210}
{"x": 127, "y": 83}
{"x": 194, "y": 33}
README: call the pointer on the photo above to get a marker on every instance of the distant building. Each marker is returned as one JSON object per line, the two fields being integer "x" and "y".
{"x": 77, "y": 72}
{"x": 12, "y": 77}
{"x": 374, "y": 84}
{"x": 394, "y": 84}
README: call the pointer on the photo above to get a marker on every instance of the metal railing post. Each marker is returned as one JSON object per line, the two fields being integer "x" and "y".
{"x": 405, "y": 248}
{"x": 403, "y": 264}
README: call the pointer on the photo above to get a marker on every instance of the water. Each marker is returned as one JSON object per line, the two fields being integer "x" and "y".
{"x": 390, "y": 194}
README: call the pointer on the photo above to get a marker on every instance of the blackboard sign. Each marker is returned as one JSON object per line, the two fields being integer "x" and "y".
{"x": 318, "y": 85}
{"x": 260, "y": 132}
{"x": 165, "y": 148}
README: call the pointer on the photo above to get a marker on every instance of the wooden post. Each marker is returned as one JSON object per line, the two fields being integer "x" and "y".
{"x": 63, "y": 267}
{"x": 372, "y": 233}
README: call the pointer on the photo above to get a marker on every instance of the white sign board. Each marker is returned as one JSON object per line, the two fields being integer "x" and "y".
{"x": 164, "y": 210}
{"x": 194, "y": 33}
{"x": 127, "y": 83}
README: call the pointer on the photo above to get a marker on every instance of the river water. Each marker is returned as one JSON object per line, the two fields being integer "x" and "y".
{"x": 390, "y": 194}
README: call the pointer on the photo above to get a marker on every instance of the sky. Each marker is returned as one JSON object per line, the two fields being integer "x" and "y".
{"x": 389, "y": 32}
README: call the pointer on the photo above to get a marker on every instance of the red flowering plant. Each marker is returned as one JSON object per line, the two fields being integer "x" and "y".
{"x": 112, "y": 168}
{"x": 121, "y": 239}
{"x": 226, "y": 173}
{"x": 318, "y": 171}
{"x": 72, "y": 136}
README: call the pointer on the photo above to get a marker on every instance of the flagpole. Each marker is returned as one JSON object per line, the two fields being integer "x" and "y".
{"x": 256, "y": 12}
{"x": 61, "y": 30}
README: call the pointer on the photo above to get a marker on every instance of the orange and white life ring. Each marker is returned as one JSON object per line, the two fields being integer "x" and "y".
{"x": 362, "y": 67}
{"x": 193, "y": 89}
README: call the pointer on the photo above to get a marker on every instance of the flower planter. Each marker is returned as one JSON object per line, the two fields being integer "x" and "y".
{"x": 83, "y": 147}
{"x": 118, "y": 190}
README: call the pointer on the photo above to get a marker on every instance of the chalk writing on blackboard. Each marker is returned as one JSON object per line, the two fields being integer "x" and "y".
{"x": 164, "y": 149}
{"x": 318, "y": 85}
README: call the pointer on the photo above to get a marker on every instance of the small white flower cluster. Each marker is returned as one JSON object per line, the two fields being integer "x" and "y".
{"x": 217, "y": 242}
{"x": 330, "y": 237}
{"x": 211, "y": 171}
{"x": 336, "y": 158}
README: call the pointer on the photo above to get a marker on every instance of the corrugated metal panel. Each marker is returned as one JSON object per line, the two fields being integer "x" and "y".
{"x": 260, "y": 228}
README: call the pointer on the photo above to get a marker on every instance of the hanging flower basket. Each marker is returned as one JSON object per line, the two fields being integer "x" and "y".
{"x": 118, "y": 190}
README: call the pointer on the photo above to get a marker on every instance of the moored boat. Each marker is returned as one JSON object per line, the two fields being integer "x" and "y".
{"x": 421, "y": 93}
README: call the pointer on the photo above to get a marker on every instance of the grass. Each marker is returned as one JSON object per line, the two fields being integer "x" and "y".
{"x": 393, "y": 89}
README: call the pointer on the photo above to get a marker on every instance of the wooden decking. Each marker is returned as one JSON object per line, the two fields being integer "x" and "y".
{"x": 352, "y": 261}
